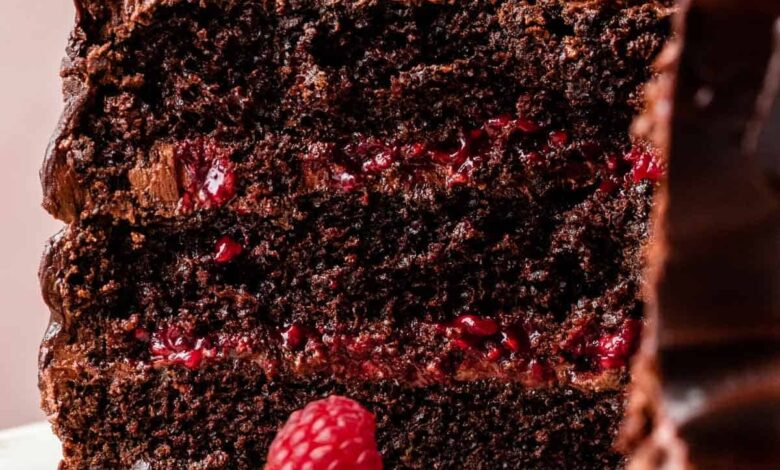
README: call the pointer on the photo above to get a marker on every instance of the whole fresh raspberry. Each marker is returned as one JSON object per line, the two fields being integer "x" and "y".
{"x": 331, "y": 434}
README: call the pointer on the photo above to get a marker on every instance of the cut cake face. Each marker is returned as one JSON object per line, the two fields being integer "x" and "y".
{"x": 434, "y": 209}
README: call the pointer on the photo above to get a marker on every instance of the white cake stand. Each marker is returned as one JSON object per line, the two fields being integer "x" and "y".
{"x": 31, "y": 447}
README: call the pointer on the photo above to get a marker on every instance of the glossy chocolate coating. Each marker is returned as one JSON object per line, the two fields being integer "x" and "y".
{"x": 715, "y": 266}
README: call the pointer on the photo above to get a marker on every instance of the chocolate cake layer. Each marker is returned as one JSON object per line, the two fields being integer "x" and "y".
{"x": 434, "y": 208}
{"x": 226, "y": 415}
{"x": 340, "y": 96}
{"x": 389, "y": 281}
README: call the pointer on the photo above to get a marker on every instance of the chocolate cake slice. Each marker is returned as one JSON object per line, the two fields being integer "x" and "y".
{"x": 433, "y": 208}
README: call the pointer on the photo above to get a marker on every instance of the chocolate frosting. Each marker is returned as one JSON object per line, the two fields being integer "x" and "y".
{"x": 710, "y": 367}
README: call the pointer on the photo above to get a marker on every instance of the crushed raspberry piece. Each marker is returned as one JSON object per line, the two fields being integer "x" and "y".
{"x": 330, "y": 434}
{"x": 558, "y": 139}
{"x": 645, "y": 165}
{"x": 476, "y": 325}
{"x": 526, "y": 125}
{"x": 614, "y": 350}
{"x": 635, "y": 166}
{"x": 173, "y": 345}
{"x": 210, "y": 179}
{"x": 514, "y": 342}
{"x": 293, "y": 337}
{"x": 485, "y": 337}
{"x": 226, "y": 250}
{"x": 219, "y": 186}
{"x": 604, "y": 351}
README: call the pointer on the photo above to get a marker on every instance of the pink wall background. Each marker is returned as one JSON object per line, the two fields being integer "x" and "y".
{"x": 33, "y": 35}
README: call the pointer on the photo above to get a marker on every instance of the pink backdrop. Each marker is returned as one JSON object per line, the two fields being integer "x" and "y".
{"x": 33, "y": 35}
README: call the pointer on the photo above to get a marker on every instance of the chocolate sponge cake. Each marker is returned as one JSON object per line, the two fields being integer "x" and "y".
{"x": 433, "y": 208}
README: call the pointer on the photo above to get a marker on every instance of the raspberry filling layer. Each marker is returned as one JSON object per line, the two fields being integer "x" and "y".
{"x": 350, "y": 165}
{"x": 210, "y": 178}
{"x": 469, "y": 347}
